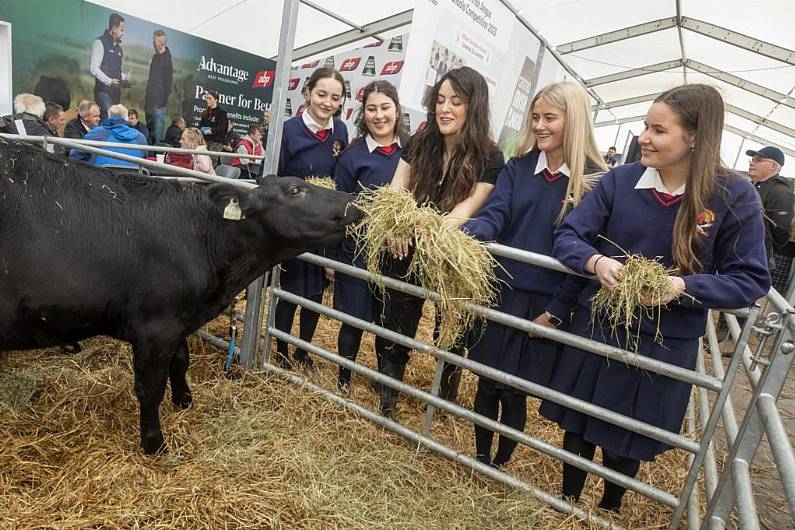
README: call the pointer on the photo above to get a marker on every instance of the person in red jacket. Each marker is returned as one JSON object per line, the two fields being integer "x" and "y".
{"x": 251, "y": 144}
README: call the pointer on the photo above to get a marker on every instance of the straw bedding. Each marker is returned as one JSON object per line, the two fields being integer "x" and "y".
{"x": 257, "y": 452}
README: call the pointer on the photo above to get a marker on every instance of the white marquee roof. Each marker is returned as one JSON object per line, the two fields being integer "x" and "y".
{"x": 625, "y": 51}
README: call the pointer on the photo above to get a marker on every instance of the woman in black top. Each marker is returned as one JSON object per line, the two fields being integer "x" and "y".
{"x": 453, "y": 164}
{"x": 213, "y": 124}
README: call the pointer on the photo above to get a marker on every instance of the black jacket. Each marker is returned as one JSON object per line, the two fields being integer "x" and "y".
{"x": 34, "y": 126}
{"x": 158, "y": 86}
{"x": 216, "y": 120}
{"x": 777, "y": 204}
{"x": 74, "y": 129}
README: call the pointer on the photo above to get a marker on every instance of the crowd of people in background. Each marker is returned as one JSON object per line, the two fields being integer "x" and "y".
{"x": 558, "y": 195}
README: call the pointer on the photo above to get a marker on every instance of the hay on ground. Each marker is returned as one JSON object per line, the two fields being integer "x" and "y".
{"x": 445, "y": 260}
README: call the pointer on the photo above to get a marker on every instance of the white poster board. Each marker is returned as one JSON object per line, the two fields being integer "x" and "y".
{"x": 481, "y": 34}
{"x": 6, "y": 95}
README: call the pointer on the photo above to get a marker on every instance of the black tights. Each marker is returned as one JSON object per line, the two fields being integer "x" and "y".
{"x": 348, "y": 342}
{"x": 574, "y": 478}
{"x": 514, "y": 414}
{"x": 285, "y": 313}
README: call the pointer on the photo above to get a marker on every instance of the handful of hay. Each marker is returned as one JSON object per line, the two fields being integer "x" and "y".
{"x": 637, "y": 295}
{"x": 445, "y": 259}
{"x": 323, "y": 182}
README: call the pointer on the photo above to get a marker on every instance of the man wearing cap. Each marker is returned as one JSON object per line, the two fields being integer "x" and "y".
{"x": 776, "y": 194}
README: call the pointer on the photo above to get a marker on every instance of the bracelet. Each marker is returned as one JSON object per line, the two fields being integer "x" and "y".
{"x": 597, "y": 261}
{"x": 554, "y": 320}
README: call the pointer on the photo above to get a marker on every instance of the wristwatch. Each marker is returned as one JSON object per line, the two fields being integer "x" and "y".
{"x": 556, "y": 321}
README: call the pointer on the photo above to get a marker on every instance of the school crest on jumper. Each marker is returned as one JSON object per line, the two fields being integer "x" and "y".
{"x": 704, "y": 222}
{"x": 336, "y": 148}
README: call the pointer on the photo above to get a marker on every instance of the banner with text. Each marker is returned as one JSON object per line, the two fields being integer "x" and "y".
{"x": 52, "y": 41}
{"x": 481, "y": 34}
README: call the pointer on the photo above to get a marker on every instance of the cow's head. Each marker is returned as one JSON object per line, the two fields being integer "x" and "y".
{"x": 299, "y": 215}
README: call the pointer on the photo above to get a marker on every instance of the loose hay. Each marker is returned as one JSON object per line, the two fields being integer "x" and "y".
{"x": 253, "y": 453}
{"x": 445, "y": 260}
{"x": 641, "y": 287}
{"x": 323, "y": 182}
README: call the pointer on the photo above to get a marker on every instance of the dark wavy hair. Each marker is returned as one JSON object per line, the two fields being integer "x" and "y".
{"x": 469, "y": 157}
{"x": 388, "y": 89}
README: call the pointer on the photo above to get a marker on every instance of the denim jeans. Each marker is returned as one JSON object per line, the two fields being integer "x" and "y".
{"x": 105, "y": 101}
{"x": 156, "y": 121}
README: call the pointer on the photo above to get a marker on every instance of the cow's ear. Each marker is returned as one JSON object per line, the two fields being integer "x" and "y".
{"x": 234, "y": 201}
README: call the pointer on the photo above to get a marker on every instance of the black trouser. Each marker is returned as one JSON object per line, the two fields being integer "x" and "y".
{"x": 574, "y": 478}
{"x": 402, "y": 313}
{"x": 285, "y": 313}
{"x": 514, "y": 414}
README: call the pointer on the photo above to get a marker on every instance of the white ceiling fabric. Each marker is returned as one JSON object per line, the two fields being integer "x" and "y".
{"x": 253, "y": 26}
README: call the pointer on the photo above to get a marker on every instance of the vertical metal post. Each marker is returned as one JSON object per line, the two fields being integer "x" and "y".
{"x": 693, "y": 519}
{"x": 752, "y": 428}
{"x": 709, "y": 429}
{"x": 435, "y": 385}
{"x": 250, "y": 342}
{"x": 275, "y": 275}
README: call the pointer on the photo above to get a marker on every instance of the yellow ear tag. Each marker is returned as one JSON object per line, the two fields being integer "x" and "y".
{"x": 232, "y": 210}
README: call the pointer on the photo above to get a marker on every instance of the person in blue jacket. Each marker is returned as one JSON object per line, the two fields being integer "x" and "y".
{"x": 680, "y": 205}
{"x": 556, "y": 164}
{"x": 115, "y": 128}
{"x": 311, "y": 145}
{"x": 453, "y": 164}
{"x": 368, "y": 163}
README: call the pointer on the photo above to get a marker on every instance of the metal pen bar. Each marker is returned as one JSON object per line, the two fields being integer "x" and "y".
{"x": 749, "y": 434}
{"x": 124, "y": 147}
{"x": 693, "y": 517}
{"x": 524, "y": 385}
{"x": 461, "y": 458}
{"x": 461, "y": 412}
{"x": 743, "y": 491}
{"x": 710, "y": 464}
{"x": 708, "y": 430}
{"x": 780, "y": 447}
{"x": 599, "y": 348}
{"x": 254, "y": 309}
{"x": 272, "y": 302}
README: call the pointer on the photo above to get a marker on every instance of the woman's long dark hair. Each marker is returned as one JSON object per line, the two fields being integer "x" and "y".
{"x": 469, "y": 157}
{"x": 208, "y": 111}
{"x": 700, "y": 111}
{"x": 388, "y": 89}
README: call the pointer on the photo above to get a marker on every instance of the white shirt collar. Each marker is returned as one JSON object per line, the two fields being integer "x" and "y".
{"x": 372, "y": 145}
{"x": 541, "y": 165}
{"x": 651, "y": 179}
{"x": 314, "y": 126}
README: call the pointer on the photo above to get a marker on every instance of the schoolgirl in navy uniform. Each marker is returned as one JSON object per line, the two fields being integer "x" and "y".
{"x": 452, "y": 163}
{"x": 556, "y": 164}
{"x": 311, "y": 144}
{"x": 368, "y": 163}
{"x": 681, "y": 205}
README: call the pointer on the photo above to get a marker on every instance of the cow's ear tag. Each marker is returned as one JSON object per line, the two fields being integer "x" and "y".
{"x": 232, "y": 210}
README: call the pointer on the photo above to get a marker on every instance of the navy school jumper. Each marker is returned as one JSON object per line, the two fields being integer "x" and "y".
{"x": 521, "y": 213}
{"x": 305, "y": 155}
{"x": 359, "y": 169}
{"x": 734, "y": 275}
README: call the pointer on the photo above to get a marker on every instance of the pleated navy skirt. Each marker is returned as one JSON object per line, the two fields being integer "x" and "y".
{"x": 639, "y": 394}
{"x": 302, "y": 278}
{"x": 511, "y": 350}
{"x": 352, "y": 295}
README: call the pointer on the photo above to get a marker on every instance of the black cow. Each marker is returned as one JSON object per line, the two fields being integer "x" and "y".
{"x": 86, "y": 252}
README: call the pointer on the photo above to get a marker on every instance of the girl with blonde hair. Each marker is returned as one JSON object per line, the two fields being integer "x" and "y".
{"x": 556, "y": 164}
{"x": 192, "y": 138}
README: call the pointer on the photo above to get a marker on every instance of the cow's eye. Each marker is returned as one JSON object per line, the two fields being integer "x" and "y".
{"x": 295, "y": 190}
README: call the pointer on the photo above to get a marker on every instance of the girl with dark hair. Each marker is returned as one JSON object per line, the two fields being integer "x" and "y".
{"x": 556, "y": 164}
{"x": 368, "y": 163}
{"x": 310, "y": 147}
{"x": 681, "y": 206}
{"x": 213, "y": 124}
{"x": 452, "y": 164}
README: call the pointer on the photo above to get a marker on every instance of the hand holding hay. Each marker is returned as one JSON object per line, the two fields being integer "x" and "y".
{"x": 638, "y": 289}
{"x": 445, "y": 260}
